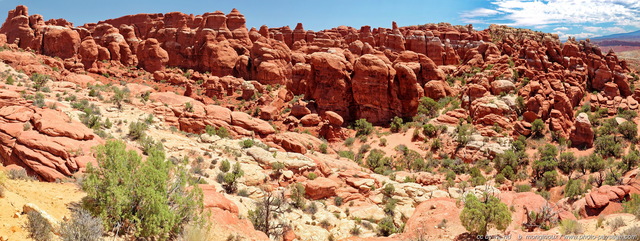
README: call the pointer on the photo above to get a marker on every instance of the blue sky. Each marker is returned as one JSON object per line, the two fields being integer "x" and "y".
{"x": 580, "y": 18}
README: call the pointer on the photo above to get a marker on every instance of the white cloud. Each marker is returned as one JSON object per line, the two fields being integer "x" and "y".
{"x": 592, "y": 29}
{"x": 546, "y": 12}
{"x": 480, "y": 12}
{"x": 561, "y": 29}
{"x": 564, "y": 36}
{"x": 615, "y": 30}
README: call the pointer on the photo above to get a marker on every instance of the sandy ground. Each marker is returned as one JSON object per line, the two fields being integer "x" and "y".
{"x": 53, "y": 198}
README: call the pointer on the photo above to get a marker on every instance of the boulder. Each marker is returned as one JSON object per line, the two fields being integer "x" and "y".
{"x": 245, "y": 121}
{"x": 320, "y": 188}
{"x": 333, "y": 118}
{"x": 582, "y": 134}
{"x": 310, "y": 120}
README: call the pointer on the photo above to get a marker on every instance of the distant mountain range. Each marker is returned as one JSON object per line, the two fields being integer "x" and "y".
{"x": 619, "y": 42}
{"x": 631, "y": 37}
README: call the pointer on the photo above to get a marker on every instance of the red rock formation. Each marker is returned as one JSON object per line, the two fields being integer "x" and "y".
{"x": 43, "y": 141}
{"x": 367, "y": 73}
{"x": 374, "y": 90}
{"x": 599, "y": 199}
{"x": 582, "y": 133}
{"x": 320, "y": 188}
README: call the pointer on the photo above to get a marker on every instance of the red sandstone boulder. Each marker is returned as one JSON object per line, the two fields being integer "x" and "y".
{"x": 603, "y": 195}
{"x": 295, "y": 142}
{"x": 214, "y": 199}
{"x": 310, "y": 120}
{"x": 60, "y": 41}
{"x": 245, "y": 121}
{"x": 320, "y": 188}
{"x": 582, "y": 133}
{"x": 437, "y": 89}
{"x": 333, "y": 118}
{"x": 55, "y": 123}
{"x": 151, "y": 56}
{"x": 219, "y": 58}
{"x": 374, "y": 90}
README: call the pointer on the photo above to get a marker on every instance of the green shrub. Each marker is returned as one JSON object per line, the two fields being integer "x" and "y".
{"x": 499, "y": 179}
{"x": 463, "y": 134}
{"x": 627, "y": 114}
{"x": 629, "y": 130}
{"x": 39, "y": 80}
{"x": 632, "y": 206}
{"x": 349, "y": 141}
{"x": 81, "y": 227}
{"x": 147, "y": 143}
{"x": 574, "y": 189}
{"x": 386, "y": 226}
{"x": 377, "y": 162}
{"x": 312, "y": 176}
{"x": 569, "y": 226}
{"x": 617, "y": 223}
{"x": 311, "y": 208}
{"x": 523, "y": 188}
{"x": 188, "y": 107}
{"x": 355, "y": 231}
{"x": 547, "y": 161}
{"x": 478, "y": 216}
{"x": 396, "y": 124}
{"x": 608, "y": 146}
{"x": 436, "y": 144}
{"x": 277, "y": 167}
{"x": 347, "y": 154}
{"x": 549, "y": 179}
{"x": 338, "y": 201}
{"x": 247, "y": 143}
{"x": 218, "y": 131}
{"x": 39, "y": 100}
{"x": 10, "y": 80}
{"x": 630, "y": 160}
{"x": 154, "y": 198}
{"x": 383, "y": 142}
{"x": 537, "y": 128}
{"x": 120, "y": 96}
{"x": 429, "y": 130}
{"x": 231, "y": 178}
{"x": 145, "y": 96}
{"x": 594, "y": 163}
{"x": 567, "y": 162}
{"x": 20, "y": 174}
{"x": 38, "y": 227}
{"x": 609, "y": 127}
{"x": 363, "y": 127}
{"x": 297, "y": 195}
{"x": 428, "y": 107}
{"x": 225, "y": 166}
{"x": 137, "y": 129}
{"x": 323, "y": 148}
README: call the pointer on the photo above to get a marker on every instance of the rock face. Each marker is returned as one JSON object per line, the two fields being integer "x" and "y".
{"x": 321, "y": 188}
{"x": 374, "y": 90}
{"x": 316, "y": 64}
{"x": 375, "y": 74}
{"x": 582, "y": 134}
{"x": 225, "y": 214}
{"x": 601, "y": 197}
{"x": 43, "y": 141}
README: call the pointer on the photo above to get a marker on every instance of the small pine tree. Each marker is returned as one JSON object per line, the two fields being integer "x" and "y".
{"x": 396, "y": 124}
{"x": 153, "y": 198}
{"x": 537, "y": 128}
{"x": 478, "y": 216}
